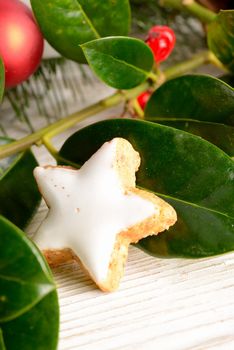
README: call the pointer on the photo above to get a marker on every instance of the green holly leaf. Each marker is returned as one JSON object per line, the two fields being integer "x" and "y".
{"x": 2, "y": 79}
{"x": 36, "y": 329}
{"x": 19, "y": 195}
{"x": 220, "y": 36}
{"x": 220, "y": 135}
{"x": 198, "y": 97}
{"x": 198, "y": 104}
{"x": 2, "y": 345}
{"x": 28, "y": 300}
{"x": 120, "y": 62}
{"x": 75, "y": 22}
{"x": 24, "y": 279}
{"x": 196, "y": 177}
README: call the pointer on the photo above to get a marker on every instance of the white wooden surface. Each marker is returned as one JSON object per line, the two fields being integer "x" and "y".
{"x": 161, "y": 304}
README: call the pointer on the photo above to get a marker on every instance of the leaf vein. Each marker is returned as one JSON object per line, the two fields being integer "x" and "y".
{"x": 18, "y": 280}
{"x": 194, "y": 205}
{"x": 122, "y": 62}
{"x": 89, "y": 21}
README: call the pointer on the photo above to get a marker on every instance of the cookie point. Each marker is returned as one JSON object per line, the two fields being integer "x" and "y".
{"x": 38, "y": 170}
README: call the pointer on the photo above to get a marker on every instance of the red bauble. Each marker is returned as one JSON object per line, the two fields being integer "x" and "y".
{"x": 21, "y": 42}
{"x": 161, "y": 40}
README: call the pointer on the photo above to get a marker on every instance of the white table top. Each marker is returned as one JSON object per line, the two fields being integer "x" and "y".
{"x": 161, "y": 304}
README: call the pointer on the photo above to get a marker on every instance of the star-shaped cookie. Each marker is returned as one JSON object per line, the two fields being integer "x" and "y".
{"x": 97, "y": 211}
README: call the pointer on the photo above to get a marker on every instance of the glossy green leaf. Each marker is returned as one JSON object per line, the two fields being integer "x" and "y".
{"x": 24, "y": 279}
{"x": 199, "y": 232}
{"x": 29, "y": 313}
{"x": 36, "y": 329}
{"x": 192, "y": 174}
{"x": 2, "y": 345}
{"x": 19, "y": 196}
{"x": 220, "y": 36}
{"x": 219, "y": 134}
{"x": 120, "y": 62}
{"x": 197, "y": 97}
{"x": 75, "y": 22}
{"x": 197, "y": 104}
{"x": 2, "y": 79}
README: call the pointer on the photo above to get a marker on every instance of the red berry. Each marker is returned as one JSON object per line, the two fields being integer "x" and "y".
{"x": 143, "y": 99}
{"x": 161, "y": 40}
{"x": 21, "y": 44}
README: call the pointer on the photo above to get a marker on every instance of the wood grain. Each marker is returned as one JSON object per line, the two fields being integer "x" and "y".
{"x": 171, "y": 304}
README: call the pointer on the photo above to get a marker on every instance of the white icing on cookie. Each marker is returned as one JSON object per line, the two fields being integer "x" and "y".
{"x": 88, "y": 208}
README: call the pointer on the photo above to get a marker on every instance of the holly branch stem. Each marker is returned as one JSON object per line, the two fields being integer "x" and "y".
{"x": 44, "y": 135}
{"x": 192, "y": 7}
{"x": 63, "y": 124}
{"x": 188, "y": 65}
